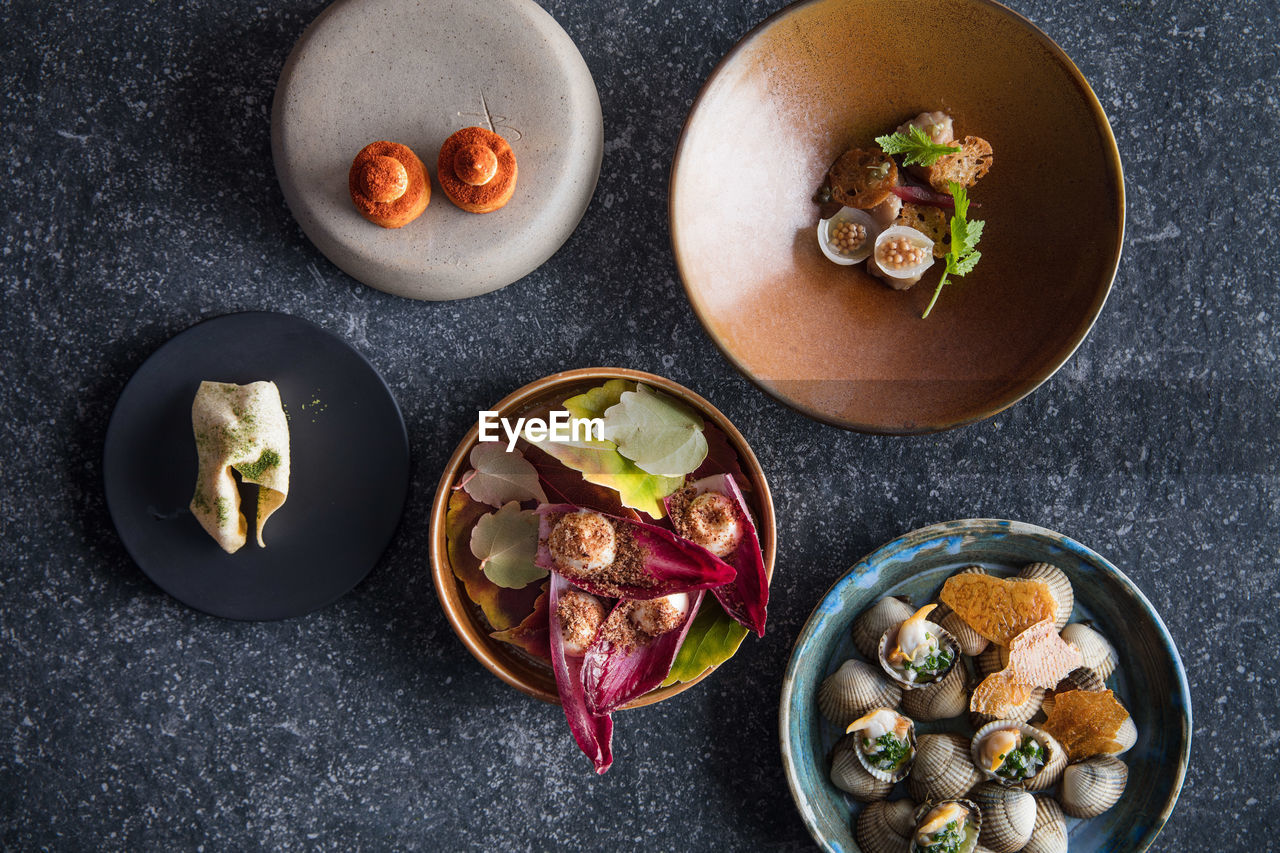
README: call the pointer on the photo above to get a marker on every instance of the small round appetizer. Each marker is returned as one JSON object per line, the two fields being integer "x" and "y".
{"x": 901, "y": 256}
{"x": 917, "y": 652}
{"x": 389, "y": 185}
{"x": 1016, "y": 754}
{"x": 947, "y": 827}
{"x": 886, "y": 743}
{"x": 477, "y": 170}
{"x": 847, "y": 237}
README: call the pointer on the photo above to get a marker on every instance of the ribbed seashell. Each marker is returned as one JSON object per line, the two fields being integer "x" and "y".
{"x": 945, "y": 640}
{"x": 1127, "y": 736}
{"x": 974, "y": 817}
{"x": 890, "y": 776}
{"x": 849, "y": 775}
{"x": 1098, "y": 654}
{"x": 1049, "y": 833}
{"x": 1019, "y": 714}
{"x": 1092, "y": 786}
{"x": 1063, "y": 595}
{"x": 1008, "y": 814}
{"x": 1081, "y": 678}
{"x": 874, "y": 830}
{"x": 854, "y": 689}
{"x": 901, "y": 816}
{"x": 991, "y": 660}
{"x": 942, "y": 769}
{"x": 875, "y": 620}
{"x": 1048, "y": 774}
{"x": 940, "y": 700}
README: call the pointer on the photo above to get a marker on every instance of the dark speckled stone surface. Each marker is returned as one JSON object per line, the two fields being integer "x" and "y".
{"x": 140, "y": 198}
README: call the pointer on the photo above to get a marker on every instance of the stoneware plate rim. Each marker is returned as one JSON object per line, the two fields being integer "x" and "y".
{"x": 1023, "y": 389}
{"x": 453, "y": 600}
{"x": 793, "y": 724}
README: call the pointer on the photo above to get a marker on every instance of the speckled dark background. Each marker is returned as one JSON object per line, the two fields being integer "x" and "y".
{"x": 139, "y": 198}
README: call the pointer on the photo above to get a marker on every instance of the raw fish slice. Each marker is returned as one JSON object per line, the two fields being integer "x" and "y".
{"x": 647, "y": 562}
{"x": 745, "y": 598}
{"x": 593, "y": 732}
{"x": 613, "y": 674}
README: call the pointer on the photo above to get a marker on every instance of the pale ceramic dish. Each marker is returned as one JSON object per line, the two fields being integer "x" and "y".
{"x": 512, "y": 665}
{"x": 825, "y": 75}
{"x": 413, "y": 72}
{"x": 1149, "y": 679}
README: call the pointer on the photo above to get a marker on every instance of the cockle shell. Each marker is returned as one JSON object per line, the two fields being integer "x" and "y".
{"x": 973, "y": 817}
{"x": 1092, "y": 786}
{"x": 1126, "y": 736}
{"x": 1048, "y": 774}
{"x": 945, "y": 640}
{"x": 1059, "y": 585}
{"x": 1099, "y": 655}
{"x": 1049, "y": 833}
{"x": 942, "y": 769}
{"x": 896, "y": 775}
{"x": 991, "y": 660}
{"x": 1008, "y": 814}
{"x": 848, "y": 774}
{"x": 876, "y": 829}
{"x": 1020, "y": 713}
{"x": 971, "y": 642}
{"x": 940, "y": 700}
{"x": 875, "y": 620}
{"x": 854, "y": 689}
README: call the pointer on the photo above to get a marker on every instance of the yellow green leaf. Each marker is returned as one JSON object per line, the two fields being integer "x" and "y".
{"x": 712, "y": 639}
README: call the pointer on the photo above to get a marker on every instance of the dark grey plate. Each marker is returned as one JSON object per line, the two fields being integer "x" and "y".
{"x": 349, "y": 460}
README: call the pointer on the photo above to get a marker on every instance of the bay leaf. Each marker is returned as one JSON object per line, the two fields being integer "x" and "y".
{"x": 498, "y": 476}
{"x": 506, "y": 542}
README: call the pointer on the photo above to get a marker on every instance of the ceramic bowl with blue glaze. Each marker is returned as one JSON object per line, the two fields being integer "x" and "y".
{"x": 1149, "y": 679}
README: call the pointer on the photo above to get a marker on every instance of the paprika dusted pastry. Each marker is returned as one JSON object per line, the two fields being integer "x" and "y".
{"x": 389, "y": 184}
{"x": 477, "y": 170}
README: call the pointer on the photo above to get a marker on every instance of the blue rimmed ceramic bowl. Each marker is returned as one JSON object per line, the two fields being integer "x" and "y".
{"x": 1149, "y": 679}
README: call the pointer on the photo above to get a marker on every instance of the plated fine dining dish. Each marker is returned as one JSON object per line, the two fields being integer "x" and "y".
{"x": 1029, "y": 765}
{"x": 611, "y": 571}
{"x": 812, "y": 90}
{"x": 346, "y": 466}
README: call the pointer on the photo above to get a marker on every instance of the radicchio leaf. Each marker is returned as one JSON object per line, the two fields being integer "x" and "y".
{"x": 613, "y": 675}
{"x": 669, "y": 564}
{"x": 532, "y": 634}
{"x": 593, "y": 732}
{"x": 747, "y": 597}
{"x": 503, "y": 608}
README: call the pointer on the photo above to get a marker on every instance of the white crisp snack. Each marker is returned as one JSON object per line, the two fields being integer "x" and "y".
{"x": 241, "y": 427}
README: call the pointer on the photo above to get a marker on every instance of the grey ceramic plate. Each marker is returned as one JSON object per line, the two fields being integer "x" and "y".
{"x": 1150, "y": 680}
{"x": 414, "y": 71}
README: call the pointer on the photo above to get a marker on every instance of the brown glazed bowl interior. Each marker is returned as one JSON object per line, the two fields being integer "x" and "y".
{"x": 825, "y": 75}
{"x": 511, "y": 664}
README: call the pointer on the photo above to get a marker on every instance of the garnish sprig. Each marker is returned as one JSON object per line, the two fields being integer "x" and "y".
{"x": 964, "y": 255}
{"x": 916, "y": 147}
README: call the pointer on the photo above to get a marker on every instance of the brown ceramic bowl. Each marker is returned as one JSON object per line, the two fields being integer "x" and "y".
{"x": 512, "y": 665}
{"x": 822, "y": 76}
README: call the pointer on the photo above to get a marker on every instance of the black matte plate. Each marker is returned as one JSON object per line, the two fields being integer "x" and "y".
{"x": 348, "y": 480}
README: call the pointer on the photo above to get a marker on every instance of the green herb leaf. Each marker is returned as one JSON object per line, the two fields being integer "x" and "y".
{"x": 964, "y": 255}
{"x": 600, "y": 463}
{"x": 660, "y": 435}
{"x": 712, "y": 639}
{"x": 891, "y": 754}
{"x": 506, "y": 542}
{"x": 498, "y": 477}
{"x": 503, "y": 608}
{"x": 916, "y": 146}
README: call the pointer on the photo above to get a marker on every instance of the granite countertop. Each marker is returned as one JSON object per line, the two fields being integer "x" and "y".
{"x": 140, "y": 198}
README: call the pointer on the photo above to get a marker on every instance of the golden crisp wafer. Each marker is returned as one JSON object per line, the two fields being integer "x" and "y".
{"x": 1086, "y": 723}
{"x": 999, "y": 694}
{"x": 1038, "y": 657}
{"x": 996, "y": 608}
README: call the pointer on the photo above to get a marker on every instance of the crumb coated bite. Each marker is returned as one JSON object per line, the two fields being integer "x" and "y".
{"x": 477, "y": 170}
{"x": 389, "y": 185}
{"x": 709, "y": 519}
{"x": 580, "y": 615}
{"x": 583, "y": 542}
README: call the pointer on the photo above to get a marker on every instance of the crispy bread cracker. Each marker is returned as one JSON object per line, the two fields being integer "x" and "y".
{"x": 1086, "y": 723}
{"x": 965, "y": 167}
{"x": 998, "y": 609}
{"x": 863, "y": 177}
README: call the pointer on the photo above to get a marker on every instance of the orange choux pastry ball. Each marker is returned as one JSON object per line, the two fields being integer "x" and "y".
{"x": 477, "y": 170}
{"x": 389, "y": 184}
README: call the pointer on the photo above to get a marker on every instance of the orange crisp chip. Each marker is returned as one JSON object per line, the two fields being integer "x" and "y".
{"x": 1085, "y": 723}
{"x": 1038, "y": 657}
{"x": 996, "y": 608}
{"x": 999, "y": 695}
